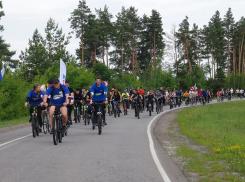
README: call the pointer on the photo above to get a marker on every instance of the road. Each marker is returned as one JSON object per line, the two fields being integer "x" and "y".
{"x": 120, "y": 154}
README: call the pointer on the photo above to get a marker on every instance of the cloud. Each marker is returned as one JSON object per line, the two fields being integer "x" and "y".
{"x": 23, "y": 17}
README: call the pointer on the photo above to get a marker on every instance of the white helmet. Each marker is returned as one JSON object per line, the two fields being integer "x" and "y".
{"x": 43, "y": 88}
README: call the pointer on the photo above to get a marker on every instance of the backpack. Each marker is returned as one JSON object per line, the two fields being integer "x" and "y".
{"x": 62, "y": 89}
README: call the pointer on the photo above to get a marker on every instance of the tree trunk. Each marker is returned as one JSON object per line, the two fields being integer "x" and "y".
{"x": 213, "y": 64}
{"x": 189, "y": 61}
{"x": 154, "y": 49}
{"x": 136, "y": 62}
{"x": 234, "y": 60}
{"x": 103, "y": 54}
{"x": 228, "y": 60}
{"x": 82, "y": 52}
{"x": 243, "y": 61}
{"x": 107, "y": 56}
{"x": 122, "y": 56}
{"x": 239, "y": 60}
{"x": 210, "y": 68}
{"x": 184, "y": 56}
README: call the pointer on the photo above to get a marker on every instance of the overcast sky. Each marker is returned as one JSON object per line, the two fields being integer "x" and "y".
{"x": 22, "y": 17}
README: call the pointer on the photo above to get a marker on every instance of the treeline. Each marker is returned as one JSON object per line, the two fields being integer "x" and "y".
{"x": 128, "y": 51}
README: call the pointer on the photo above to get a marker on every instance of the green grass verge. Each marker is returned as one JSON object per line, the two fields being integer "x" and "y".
{"x": 221, "y": 129}
{"x": 13, "y": 122}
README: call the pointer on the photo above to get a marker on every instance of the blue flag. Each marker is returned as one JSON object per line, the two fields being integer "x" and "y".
{"x": 2, "y": 73}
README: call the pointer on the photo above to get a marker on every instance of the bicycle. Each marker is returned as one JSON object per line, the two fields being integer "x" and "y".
{"x": 34, "y": 121}
{"x": 86, "y": 115}
{"x": 99, "y": 117}
{"x": 137, "y": 107}
{"x": 46, "y": 125}
{"x": 110, "y": 110}
{"x": 157, "y": 105}
{"x": 82, "y": 110}
{"x": 149, "y": 106}
{"x": 57, "y": 125}
{"x": 203, "y": 100}
{"x": 77, "y": 114}
{"x": 116, "y": 109}
{"x": 175, "y": 103}
{"x": 125, "y": 107}
{"x": 179, "y": 101}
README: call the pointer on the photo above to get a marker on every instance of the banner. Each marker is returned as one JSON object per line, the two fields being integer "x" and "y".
{"x": 106, "y": 83}
{"x": 62, "y": 72}
{"x": 2, "y": 73}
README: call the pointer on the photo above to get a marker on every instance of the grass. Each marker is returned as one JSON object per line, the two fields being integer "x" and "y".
{"x": 22, "y": 120}
{"x": 221, "y": 129}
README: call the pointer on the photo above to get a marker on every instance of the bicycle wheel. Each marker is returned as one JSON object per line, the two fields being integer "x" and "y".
{"x": 45, "y": 123}
{"x": 60, "y": 132}
{"x": 37, "y": 126}
{"x": 85, "y": 117}
{"x": 78, "y": 116}
{"x": 99, "y": 122}
{"x": 118, "y": 112}
{"x": 33, "y": 124}
{"x": 138, "y": 112}
{"x": 115, "y": 112}
{"x": 55, "y": 131}
{"x": 75, "y": 115}
{"x": 161, "y": 107}
{"x": 124, "y": 108}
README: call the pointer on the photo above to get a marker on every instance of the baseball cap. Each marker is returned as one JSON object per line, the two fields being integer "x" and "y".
{"x": 56, "y": 80}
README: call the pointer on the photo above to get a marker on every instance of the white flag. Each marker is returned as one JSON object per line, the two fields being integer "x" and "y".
{"x": 62, "y": 72}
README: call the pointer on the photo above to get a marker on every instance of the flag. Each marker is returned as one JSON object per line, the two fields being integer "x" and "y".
{"x": 62, "y": 72}
{"x": 195, "y": 87}
{"x": 2, "y": 73}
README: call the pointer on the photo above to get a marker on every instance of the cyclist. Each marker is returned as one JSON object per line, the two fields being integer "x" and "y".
{"x": 125, "y": 97}
{"x": 78, "y": 97}
{"x": 69, "y": 106}
{"x": 163, "y": 95}
{"x": 98, "y": 94}
{"x": 204, "y": 94}
{"x": 109, "y": 99}
{"x": 191, "y": 94}
{"x": 116, "y": 96}
{"x": 83, "y": 92}
{"x": 35, "y": 97}
{"x": 158, "y": 96}
{"x": 142, "y": 93}
{"x": 241, "y": 93}
{"x": 237, "y": 93}
{"x": 135, "y": 96}
{"x": 150, "y": 97}
{"x": 218, "y": 96}
{"x": 59, "y": 95}
{"x": 186, "y": 96}
{"x": 87, "y": 101}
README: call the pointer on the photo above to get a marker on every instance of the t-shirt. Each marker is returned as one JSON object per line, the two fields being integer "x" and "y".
{"x": 141, "y": 92}
{"x": 116, "y": 96}
{"x": 125, "y": 96}
{"x": 58, "y": 97}
{"x": 34, "y": 99}
{"x": 98, "y": 92}
{"x": 70, "y": 90}
{"x": 158, "y": 94}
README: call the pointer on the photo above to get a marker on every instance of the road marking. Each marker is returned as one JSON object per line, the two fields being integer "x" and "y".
{"x": 1, "y": 145}
{"x": 153, "y": 152}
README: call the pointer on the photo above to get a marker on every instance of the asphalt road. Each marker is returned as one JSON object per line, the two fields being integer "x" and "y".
{"x": 120, "y": 154}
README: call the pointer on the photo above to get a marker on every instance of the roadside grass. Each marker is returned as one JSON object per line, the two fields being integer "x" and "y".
{"x": 22, "y": 120}
{"x": 221, "y": 129}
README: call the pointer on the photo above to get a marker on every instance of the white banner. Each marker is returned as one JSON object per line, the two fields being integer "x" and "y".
{"x": 62, "y": 72}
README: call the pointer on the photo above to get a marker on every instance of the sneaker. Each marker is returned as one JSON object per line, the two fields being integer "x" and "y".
{"x": 51, "y": 132}
{"x": 104, "y": 123}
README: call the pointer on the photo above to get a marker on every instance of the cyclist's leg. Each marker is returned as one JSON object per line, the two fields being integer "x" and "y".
{"x": 39, "y": 116}
{"x": 63, "y": 111}
{"x": 51, "y": 113}
{"x": 103, "y": 112}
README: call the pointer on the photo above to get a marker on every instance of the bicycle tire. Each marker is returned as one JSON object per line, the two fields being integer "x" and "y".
{"x": 45, "y": 122}
{"x": 33, "y": 126}
{"x": 115, "y": 112}
{"x": 37, "y": 126}
{"x": 60, "y": 132}
{"x": 118, "y": 112}
{"x": 85, "y": 118}
{"x": 99, "y": 122}
{"x": 138, "y": 112}
{"x": 55, "y": 131}
{"x": 78, "y": 117}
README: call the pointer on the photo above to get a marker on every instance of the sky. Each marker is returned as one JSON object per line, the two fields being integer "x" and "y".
{"x": 22, "y": 17}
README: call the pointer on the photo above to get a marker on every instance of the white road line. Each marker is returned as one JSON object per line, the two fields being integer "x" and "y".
{"x": 1, "y": 145}
{"x": 153, "y": 152}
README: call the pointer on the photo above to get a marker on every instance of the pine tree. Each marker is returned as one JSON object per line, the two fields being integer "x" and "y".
{"x": 5, "y": 54}
{"x": 79, "y": 19}
{"x": 35, "y": 58}
{"x": 106, "y": 30}
{"x": 56, "y": 43}
{"x": 228, "y": 26}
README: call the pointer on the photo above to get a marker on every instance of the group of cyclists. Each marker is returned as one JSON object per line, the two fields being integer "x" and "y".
{"x": 91, "y": 103}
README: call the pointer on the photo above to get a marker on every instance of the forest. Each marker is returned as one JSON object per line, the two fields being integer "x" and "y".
{"x": 126, "y": 50}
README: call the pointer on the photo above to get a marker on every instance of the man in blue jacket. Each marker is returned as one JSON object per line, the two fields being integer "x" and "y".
{"x": 98, "y": 94}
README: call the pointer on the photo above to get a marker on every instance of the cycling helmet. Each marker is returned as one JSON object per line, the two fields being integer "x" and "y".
{"x": 43, "y": 88}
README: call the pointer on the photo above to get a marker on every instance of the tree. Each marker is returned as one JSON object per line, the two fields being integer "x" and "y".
{"x": 56, "y": 43}
{"x": 35, "y": 58}
{"x": 5, "y": 54}
{"x": 79, "y": 19}
{"x": 228, "y": 26}
{"x": 106, "y": 29}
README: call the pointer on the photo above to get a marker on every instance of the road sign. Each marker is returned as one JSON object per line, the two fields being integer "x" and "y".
{"x": 106, "y": 83}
